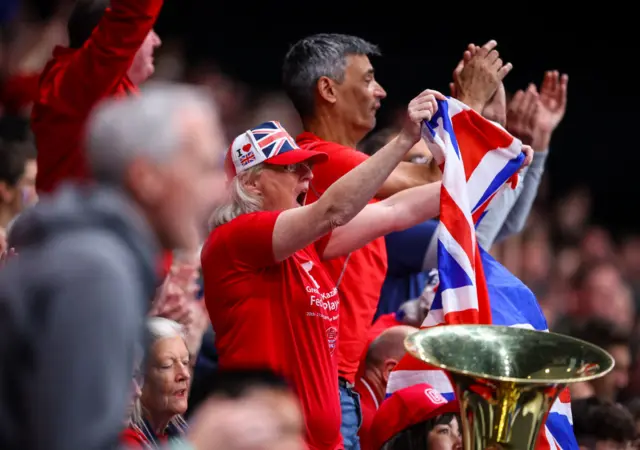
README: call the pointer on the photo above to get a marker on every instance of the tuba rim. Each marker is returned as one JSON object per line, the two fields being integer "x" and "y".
{"x": 412, "y": 347}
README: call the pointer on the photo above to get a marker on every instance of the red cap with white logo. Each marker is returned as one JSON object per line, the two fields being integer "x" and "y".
{"x": 268, "y": 142}
{"x": 407, "y": 407}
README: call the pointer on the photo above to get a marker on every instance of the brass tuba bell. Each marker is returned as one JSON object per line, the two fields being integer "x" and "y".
{"x": 506, "y": 379}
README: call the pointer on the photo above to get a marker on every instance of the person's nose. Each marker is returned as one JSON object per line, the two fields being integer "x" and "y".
{"x": 184, "y": 374}
{"x": 306, "y": 175}
{"x": 137, "y": 390}
{"x": 157, "y": 42}
{"x": 379, "y": 91}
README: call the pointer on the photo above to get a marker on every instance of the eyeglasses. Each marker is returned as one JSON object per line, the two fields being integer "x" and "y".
{"x": 301, "y": 167}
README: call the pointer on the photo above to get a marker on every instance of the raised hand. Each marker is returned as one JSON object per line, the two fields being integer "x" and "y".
{"x": 553, "y": 100}
{"x": 522, "y": 114}
{"x": 478, "y": 75}
{"x": 528, "y": 156}
{"x": 423, "y": 107}
{"x": 176, "y": 294}
{"x": 195, "y": 326}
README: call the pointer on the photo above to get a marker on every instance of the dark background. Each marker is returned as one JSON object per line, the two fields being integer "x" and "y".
{"x": 596, "y": 44}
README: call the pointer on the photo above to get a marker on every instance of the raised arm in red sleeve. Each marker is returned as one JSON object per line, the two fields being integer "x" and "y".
{"x": 75, "y": 80}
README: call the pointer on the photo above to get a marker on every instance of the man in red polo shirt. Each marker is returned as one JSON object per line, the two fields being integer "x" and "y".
{"x": 110, "y": 53}
{"x": 382, "y": 355}
{"x": 331, "y": 82}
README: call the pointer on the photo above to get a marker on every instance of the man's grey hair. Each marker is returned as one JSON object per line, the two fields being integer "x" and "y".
{"x": 121, "y": 130}
{"x": 239, "y": 201}
{"x": 320, "y": 55}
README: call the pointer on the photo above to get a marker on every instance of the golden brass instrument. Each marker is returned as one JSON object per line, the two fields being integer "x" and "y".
{"x": 506, "y": 379}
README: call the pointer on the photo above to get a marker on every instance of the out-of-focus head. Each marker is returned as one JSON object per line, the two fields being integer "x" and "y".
{"x": 331, "y": 74}
{"x": 18, "y": 170}
{"x": 84, "y": 18}
{"x": 603, "y": 425}
{"x": 267, "y": 171}
{"x": 386, "y": 350}
{"x": 608, "y": 336}
{"x": 597, "y": 281}
{"x": 143, "y": 66}
{"x": 417, "y": 417}
{"x": 418, "y": 154}
{"x": 163, "y": 147}
{"x": 167, "y": 374}
{"x": 262, "y": 390}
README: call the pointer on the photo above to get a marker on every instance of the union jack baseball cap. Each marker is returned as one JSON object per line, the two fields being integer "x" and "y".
{"x": 408, "y": 407}
{"x": 268, "y": 142}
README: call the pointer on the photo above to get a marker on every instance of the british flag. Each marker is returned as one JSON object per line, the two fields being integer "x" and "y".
{"x": 272, "y": 139}
{"x": 248, "y": 158}
{"x": 477, "y": 158}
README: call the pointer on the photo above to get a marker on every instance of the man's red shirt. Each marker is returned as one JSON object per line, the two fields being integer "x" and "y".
{"x": 360, "y": 275}
{"x": 74, "y": 81}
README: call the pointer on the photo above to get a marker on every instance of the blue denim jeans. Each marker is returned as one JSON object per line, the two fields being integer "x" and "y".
{"x": 351, "y": 417}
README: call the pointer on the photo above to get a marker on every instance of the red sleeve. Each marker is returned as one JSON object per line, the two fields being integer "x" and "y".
{"x": 105, "y": 58}
{"x": 341, "y": 160}
{"x": 249, "y": 238}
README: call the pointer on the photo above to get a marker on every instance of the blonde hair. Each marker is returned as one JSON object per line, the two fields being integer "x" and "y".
{"x": 239, "y": 200}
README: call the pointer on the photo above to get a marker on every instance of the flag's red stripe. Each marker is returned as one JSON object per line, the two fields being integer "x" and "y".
{"x": 477, "y": 137}
{"x": 484, "y": 305}
{"x": 466, "y": 317}
{"x": 454, "y": 220}
{"x": 565, "y": 396}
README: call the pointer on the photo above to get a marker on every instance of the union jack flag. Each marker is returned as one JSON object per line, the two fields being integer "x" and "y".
{"x": 272, "y": 139}
{"x": 248, "y": 158}
{"x": 480, "y": 158}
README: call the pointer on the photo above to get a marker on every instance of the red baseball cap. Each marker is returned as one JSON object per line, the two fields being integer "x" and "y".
{"x": 407, "y": 407}
{"x": 268, "y": 142}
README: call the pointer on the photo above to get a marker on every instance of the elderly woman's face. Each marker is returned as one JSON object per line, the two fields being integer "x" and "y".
{"x": 284, "y": 187}
{"x": 166, "y": 386}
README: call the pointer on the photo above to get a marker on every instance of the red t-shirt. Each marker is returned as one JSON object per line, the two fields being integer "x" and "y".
{"x": 283, "y": 316}
{"x": 369, "y": 405}
{"x": 366, "y": 268}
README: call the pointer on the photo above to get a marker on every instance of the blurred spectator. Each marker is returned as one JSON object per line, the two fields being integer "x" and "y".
{"x": 110, "y": 54}
{"x": 257, "y": 410}
{"x": 602, "y": 425}
{"x": 382, "y": 355}
{"x": 148, "y": 197}
{"x": 606, "y": 335}
{"x": 17, "y": 180}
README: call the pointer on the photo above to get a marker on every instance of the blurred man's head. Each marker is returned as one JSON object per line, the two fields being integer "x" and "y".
{"x": 606, "y": 335}
{"x": 418, "y": 154}
{"x": 165, "y": 149}
{"x": 331, "y": 76}
{"x": 602, "y": 425}
{"x": 593, "y": 283}
{"x": 17, "y": 180}
{"x": 84, "y": 19}
{"x": 386, "y": 350}
{"x": 268, "y": 391}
